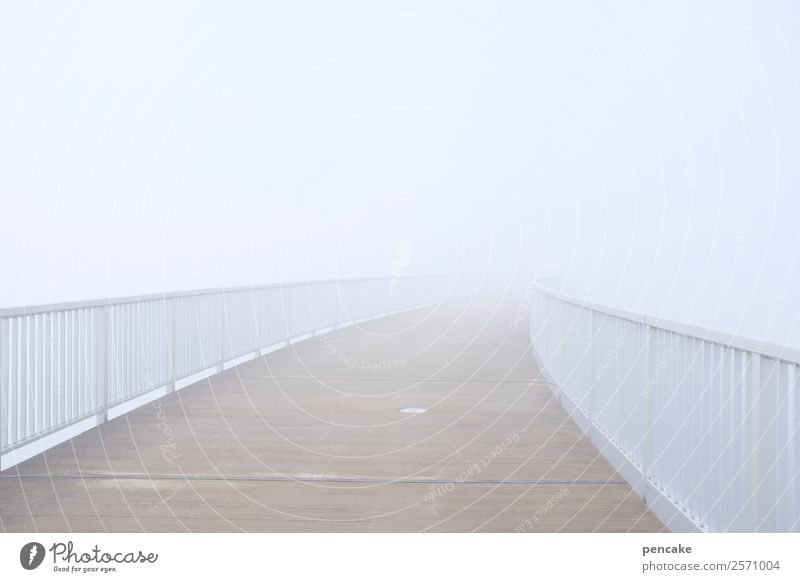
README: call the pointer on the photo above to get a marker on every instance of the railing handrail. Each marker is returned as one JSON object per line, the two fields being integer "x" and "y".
{"x": 70, "y": 367}
{"x": 747, "y": 344}
{"x": 86, "y": 304}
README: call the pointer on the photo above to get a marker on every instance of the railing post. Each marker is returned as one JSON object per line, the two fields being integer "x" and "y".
{"x": 754, "y": 437}
{"x": 221, "y": 331}
{"x": 314, "y": 308}
{"x": 287, "y": 312}
{"x": 256, "y": 298}
{"x": 336, "y": 307}
{"x": 4, "y": 384}
{"x": 172, "y": 318}
{"x": 374, "y": 310}
{"x": 561, "y": 340}
{"x": 103, "y": 358}
{"x": 592, "y": 371}
{"x": 647, "y": 445}
{"x": 771, "y": 406}
{"x": 791, "y": 407}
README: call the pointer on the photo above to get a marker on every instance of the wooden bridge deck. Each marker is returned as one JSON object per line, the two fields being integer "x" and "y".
{"x": 312, "y": 438}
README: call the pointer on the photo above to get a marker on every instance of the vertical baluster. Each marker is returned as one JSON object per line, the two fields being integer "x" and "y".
{"x": 560, "y": 355}
{"x": 14, "y": 381}
{"x": 120, "y": 354}
{"x": 158, "y": 347}
{"x": 231, "y": 321}
{"x": 124, "y": 351}
{"x": 732, "y": 386}
{"x": 150, "y": 347}
{"x": 155, "y": 347}
{"x": 703, "y": 464}
{"x": 24, "y": 384}
{"x": 68, "y": 347}
{"x": 81, "y": 363}
{"x": 255, "y": 306}
{"x": 118, "y": 336}
{"x": 767, "y": 443}
{"x": 222, "y": 324}
{"x": 37, "y": 373}
{"x": 5, "y": 417}
{"x": 202, "y": 320}
{"x": 104, "y": 360}
{"x": 132, "y": 348}
{"x": 76, "y": 363}
{"x": 753, "y": 460}
{"x": 687, "y": 385}
{"x": 743, "y": 482}
{"x": 83, "y": 354}
{"x": 61, "y": 372}
{"x": 47, "y": 371}
{"x": 592, "y": 357}
{"x": 648, "y": 403}
{"x": 793, "y": 420}
{"x": 84, "y": 348}
{"x": 138, "y": 376}
{"x": 171, "y": 317}
{"x": 47, "y": 381}
{"x": 735, "y": 457}
{"x": 782, "y": 431}
{"x": 144, "y": 377}
{"x": 667, "y": 412}
{"x": 58, "y": 385}
{"x": 137, "y": 367}
{"x": 126, "y": 331}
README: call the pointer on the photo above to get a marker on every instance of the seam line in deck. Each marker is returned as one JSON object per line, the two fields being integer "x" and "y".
{"x": 376, "y": 380}
{"x": 364, "y": 480}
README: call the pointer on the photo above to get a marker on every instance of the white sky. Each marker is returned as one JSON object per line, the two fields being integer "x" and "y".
{"x": 638, "y": 153}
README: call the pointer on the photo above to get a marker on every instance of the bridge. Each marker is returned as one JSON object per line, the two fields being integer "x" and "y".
{"x": 406, "y": 404}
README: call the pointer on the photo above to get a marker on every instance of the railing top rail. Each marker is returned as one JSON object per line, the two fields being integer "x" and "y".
{"x": 747, "y": 344}
{"x": 71, "y": 305}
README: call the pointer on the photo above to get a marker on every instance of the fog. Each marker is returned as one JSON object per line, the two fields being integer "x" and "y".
{"x": 643, "y": 155}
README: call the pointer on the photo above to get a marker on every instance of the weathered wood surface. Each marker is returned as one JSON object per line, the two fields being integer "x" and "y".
{"x": 311, "y": 438}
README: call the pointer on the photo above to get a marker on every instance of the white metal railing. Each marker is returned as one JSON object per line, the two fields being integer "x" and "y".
{"x": 67, "y": 368}
{"x": 703, "y": 425}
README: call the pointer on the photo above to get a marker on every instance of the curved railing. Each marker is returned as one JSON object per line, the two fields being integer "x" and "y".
{"x": 703, "y": 425}
{"x": 67, "y": 368}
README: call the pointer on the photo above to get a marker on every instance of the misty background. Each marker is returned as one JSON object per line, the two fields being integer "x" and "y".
{"x": 638, "y": 154}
